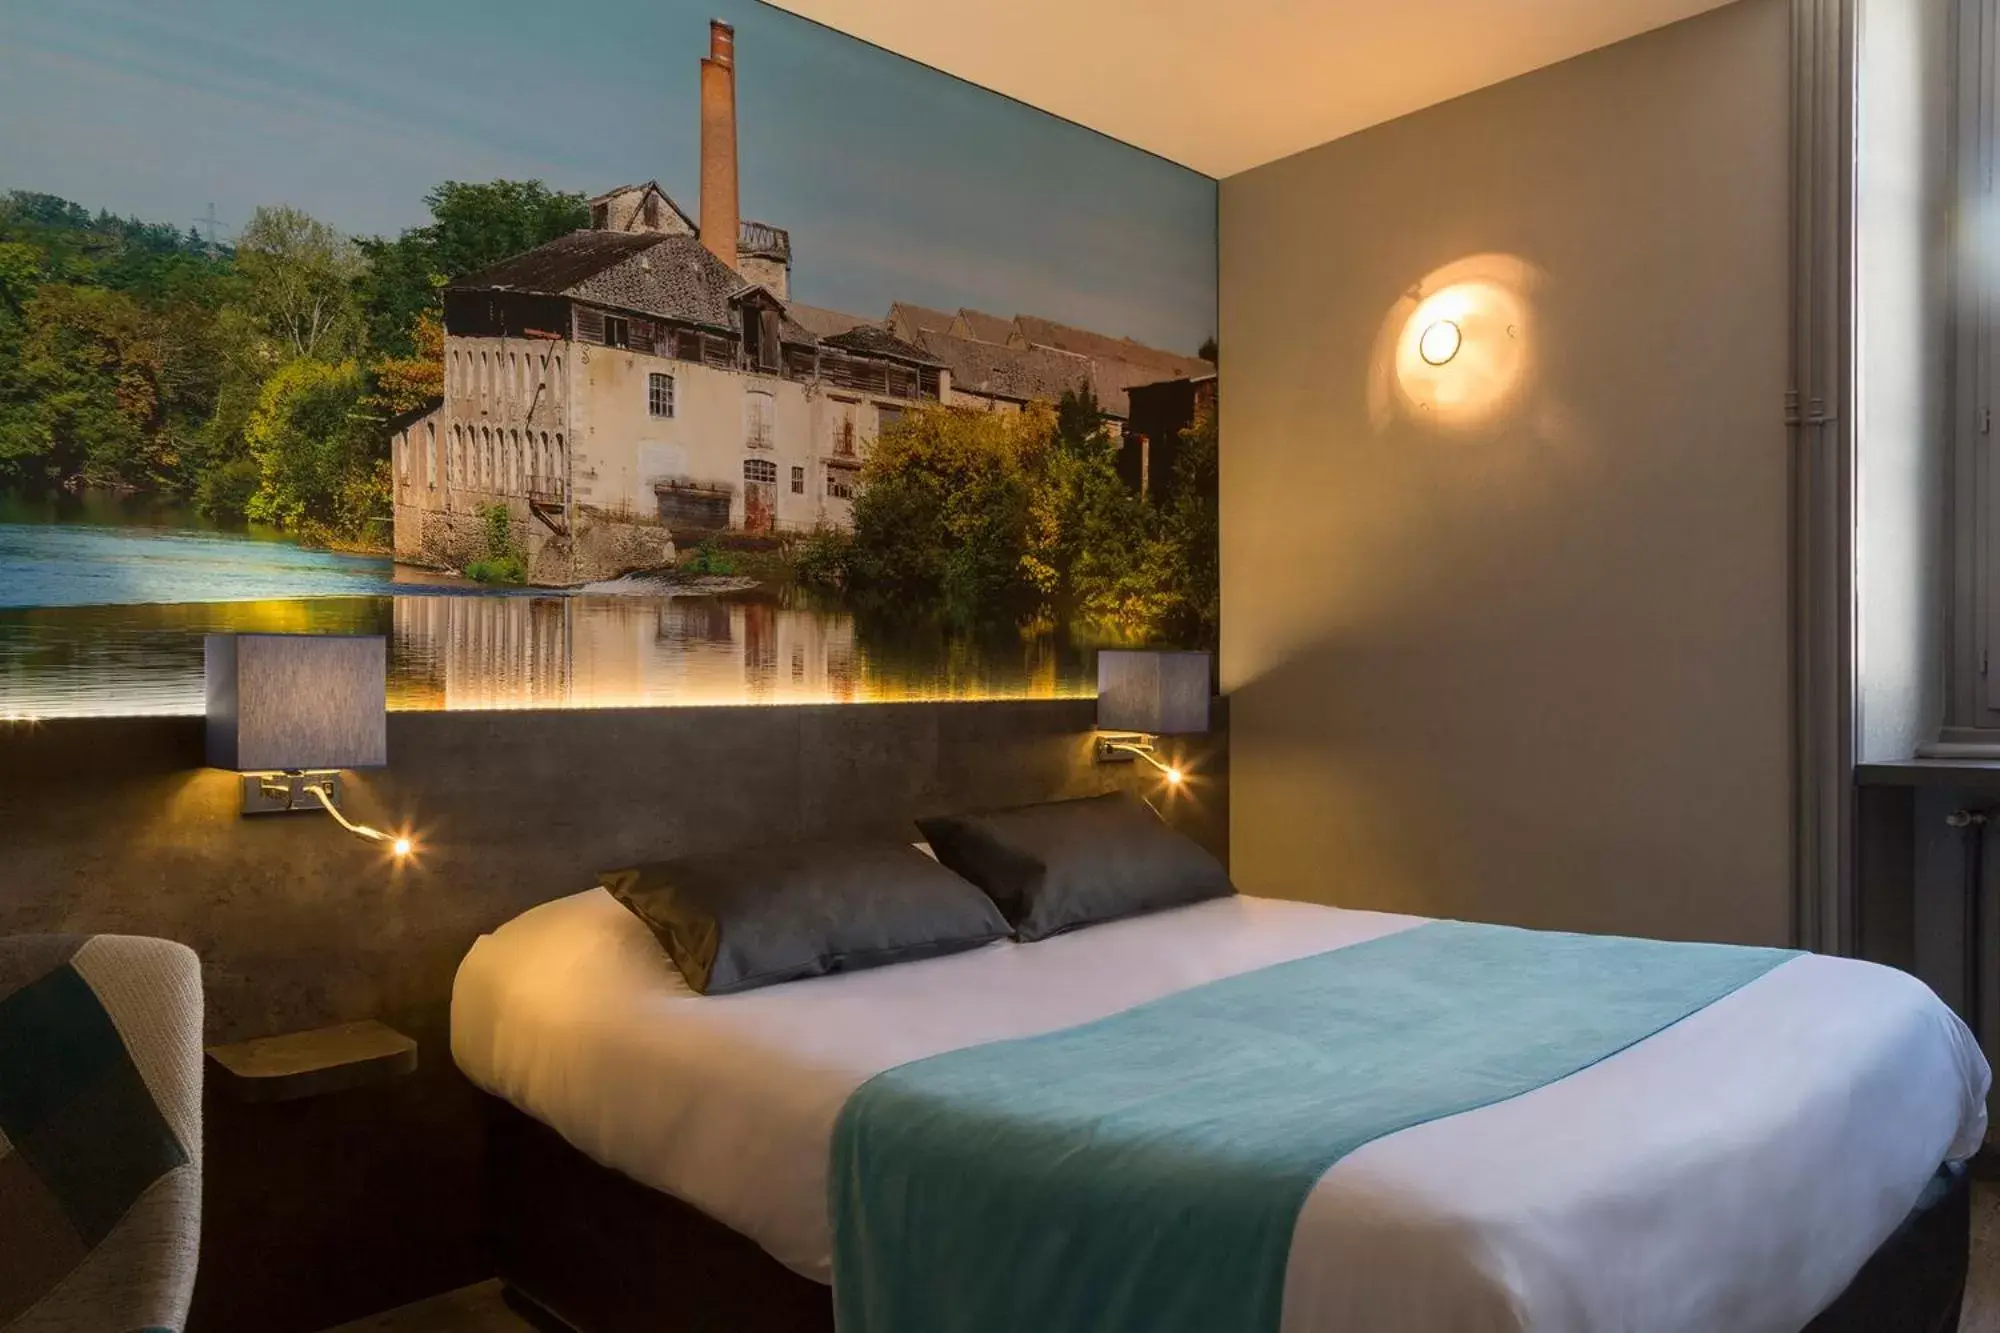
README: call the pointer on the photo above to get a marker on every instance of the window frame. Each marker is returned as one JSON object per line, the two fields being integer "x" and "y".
{"x": 654, "y": 380}
{"x": 618, "y": 332}
{"x": 1972, "y": 513}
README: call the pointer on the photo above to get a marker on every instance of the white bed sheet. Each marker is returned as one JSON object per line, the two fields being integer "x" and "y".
{"x": 1730, "y": 1173}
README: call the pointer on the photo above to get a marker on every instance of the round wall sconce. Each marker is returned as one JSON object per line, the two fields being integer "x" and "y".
{"x": 1439, "y": 342}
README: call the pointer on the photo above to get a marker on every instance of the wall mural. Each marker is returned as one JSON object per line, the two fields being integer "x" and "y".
{"x": 659, "y": 358}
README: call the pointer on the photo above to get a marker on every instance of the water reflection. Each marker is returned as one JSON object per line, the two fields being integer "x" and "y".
{"x": 103, "y": 606}
{"x": 453, "y": 651}
{"x": 552, "y": 652}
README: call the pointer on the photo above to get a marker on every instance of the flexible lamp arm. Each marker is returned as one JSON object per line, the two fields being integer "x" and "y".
{"x": 401, "y": 845}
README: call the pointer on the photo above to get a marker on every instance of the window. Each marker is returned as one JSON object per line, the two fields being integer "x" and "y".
{"x": 760, "y": 469}
{"x": 431, "y": 454}
{"x": 887, "y": 419}
{"x": 660, "y": 394}
{"x": 403, "y": 456}
{"x": 798, "y": 481}
{"x": 1969, "y": 534}
{"x": 759, "y": 419}
{"x": 839, "y": 486}
{"x": 761, "y": 344}
{"x": 617, "y": 331}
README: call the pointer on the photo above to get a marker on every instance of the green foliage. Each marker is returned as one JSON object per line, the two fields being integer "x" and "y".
{"x": 710, "y": 558}
{"x": 820, "y": 559}
{"x": 257, "y": 379}
{"x": 1192, "y": 528}
{"x": 472, "y": 225}
{"x": 506, "y": 560}
{"x": 316, "y": 460}
{"x": 1025, "y": 517}
{"x": 299, "y": 277}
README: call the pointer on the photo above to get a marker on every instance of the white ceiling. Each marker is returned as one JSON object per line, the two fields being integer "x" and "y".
{"x": 1225, "y": 85}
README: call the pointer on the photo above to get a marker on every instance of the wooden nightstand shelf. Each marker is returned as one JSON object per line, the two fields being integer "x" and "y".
{"x": 311, "y": 1064}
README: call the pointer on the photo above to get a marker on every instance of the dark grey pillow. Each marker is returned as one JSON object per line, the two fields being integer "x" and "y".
{"x": 754, "y": 918}
{"x": 1065, "y": 864}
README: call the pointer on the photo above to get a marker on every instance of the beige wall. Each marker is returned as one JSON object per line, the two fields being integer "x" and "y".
{"x": 1519, "y": 653}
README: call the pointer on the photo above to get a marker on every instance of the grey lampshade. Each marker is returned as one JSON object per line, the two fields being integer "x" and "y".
{"x": 297, "y": 701}
{"x": 1159, "y": 693}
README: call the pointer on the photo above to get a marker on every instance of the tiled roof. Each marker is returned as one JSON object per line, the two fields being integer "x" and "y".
{"x": 873, "y": 340}
{"x": 1017, "y": 374}
{"x": 651, "y": 273}
{"x": 1033, "y": 330}
{"x": 910, "y": 320}
{"x": 982, "y": 326}
{"x": 824, "y": 322}
{"x": 560, "y": 264}
{"x": 1113, "y": 381}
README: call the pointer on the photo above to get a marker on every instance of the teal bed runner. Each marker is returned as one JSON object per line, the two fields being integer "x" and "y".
{"x": 1143, "y": 1173}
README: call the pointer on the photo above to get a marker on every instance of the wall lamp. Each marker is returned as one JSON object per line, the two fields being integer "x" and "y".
{"x": 289, "y": 711}
{"x": 1440, "y": 341}
{"x": 1142, "y": 696}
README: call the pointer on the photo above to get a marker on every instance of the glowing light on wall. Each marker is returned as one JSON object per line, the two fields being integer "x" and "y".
{"x": 1439, "y": 343}
{"x": 1457, "y": 350}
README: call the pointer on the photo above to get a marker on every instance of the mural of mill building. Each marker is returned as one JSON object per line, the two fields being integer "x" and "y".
{"x": 648, "y": 379}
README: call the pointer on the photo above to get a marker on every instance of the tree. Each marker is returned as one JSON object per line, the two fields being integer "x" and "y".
{"x": 87, "y": 389}
{"x": 1193, "y": 531}
{"x": 406, "y": 383}
{"x": 316, "y": 470}
{"x": 472, "y": 226}
{"x": 944, "y": 506}
{"x": 300, "y": 276}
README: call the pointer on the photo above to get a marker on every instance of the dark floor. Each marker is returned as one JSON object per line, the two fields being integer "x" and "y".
{"x": 480, "y": 1310}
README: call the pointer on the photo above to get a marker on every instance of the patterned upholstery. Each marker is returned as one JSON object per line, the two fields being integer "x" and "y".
{"x": 100, "y": 1133}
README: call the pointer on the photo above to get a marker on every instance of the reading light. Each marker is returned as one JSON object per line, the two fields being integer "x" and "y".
{"x": 1144, "y": 695}
{"x": 1439, "y": 342}
{"x": 289, "y": 711}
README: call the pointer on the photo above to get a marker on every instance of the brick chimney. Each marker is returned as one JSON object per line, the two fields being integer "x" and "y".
{"x": 719, "y": 217}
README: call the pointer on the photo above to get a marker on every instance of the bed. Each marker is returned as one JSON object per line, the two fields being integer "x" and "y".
{"x": 1770, "y": 1161}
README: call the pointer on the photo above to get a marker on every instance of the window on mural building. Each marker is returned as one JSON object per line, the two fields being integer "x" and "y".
{"x": 617, "y": 331}
{"x": 839, "y": 486}
{"x": 759, "y": 419}
{"x": 760, "y": 469}
{"x": 887, "y": 419}
{"x": 798, "y": 481}
{"x": 660, "y": 395}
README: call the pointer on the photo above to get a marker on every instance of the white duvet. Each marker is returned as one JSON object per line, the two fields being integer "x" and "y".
{"x": 1729, "y": 1174}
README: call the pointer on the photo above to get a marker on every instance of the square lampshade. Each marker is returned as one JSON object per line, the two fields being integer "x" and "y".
{"x": 1158, "y": 693}
{"x": 279, "y": 701}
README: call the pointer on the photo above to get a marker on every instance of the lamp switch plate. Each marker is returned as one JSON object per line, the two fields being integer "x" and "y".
{"x": 284, "y": 793}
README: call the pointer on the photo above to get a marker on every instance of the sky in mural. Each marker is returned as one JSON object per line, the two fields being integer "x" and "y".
{"x": 896, "y": 182}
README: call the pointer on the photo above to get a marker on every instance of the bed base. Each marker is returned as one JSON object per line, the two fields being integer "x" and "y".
{"x": 582, "y": 1247}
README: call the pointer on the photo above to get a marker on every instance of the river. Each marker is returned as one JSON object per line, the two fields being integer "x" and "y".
{"x": 104, "y": 601}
